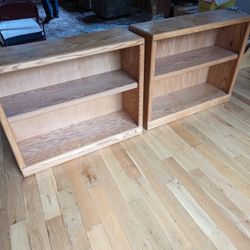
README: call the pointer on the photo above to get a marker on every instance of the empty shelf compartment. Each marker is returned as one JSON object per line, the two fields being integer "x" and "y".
{"x": 192, "y": 60}
{"x": 185, "y": 100}
{"x": 58, "y": 96}
{"x": 77, "y": 139}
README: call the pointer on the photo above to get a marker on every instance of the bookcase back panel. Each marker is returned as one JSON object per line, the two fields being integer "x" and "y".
{"x": 181, "y": 44}
{"x": 44, "y": 123}
{"x": 43, "y": 76}
{"x": 175, "y": 83}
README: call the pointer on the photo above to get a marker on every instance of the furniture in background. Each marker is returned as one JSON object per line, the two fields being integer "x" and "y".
{"x": 65, "y": 98}
{"x": 155, "y": 6}
{"x": 191, "y": 62}
{"x": 85, "y": 4}
{"x": 111, "y": 8}
{"x": 20, "y": 23}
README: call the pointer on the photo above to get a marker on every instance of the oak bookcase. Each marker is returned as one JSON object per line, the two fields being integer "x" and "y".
{"x": 191, "y": 62}
{"x": 65, "y": 98}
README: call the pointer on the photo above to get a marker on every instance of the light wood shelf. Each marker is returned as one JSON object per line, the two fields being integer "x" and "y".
{"x": 63, "y": 144}
{"x": 42, "y": 100}
{"x": 62, "y": 99}
{"x": 185, "y": 101}
{"x": 191, "y": 60}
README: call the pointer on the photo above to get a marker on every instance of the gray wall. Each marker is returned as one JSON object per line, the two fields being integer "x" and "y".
{"x": 244, "y": 5}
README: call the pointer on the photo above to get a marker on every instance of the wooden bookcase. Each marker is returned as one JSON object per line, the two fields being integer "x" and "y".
{"x": 191, "y": 62}
{"x": 65, "y": 98}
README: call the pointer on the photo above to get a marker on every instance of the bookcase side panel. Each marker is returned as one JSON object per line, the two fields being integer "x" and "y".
{"x": 132, "y": 61}
{"x": 232, "y": 38}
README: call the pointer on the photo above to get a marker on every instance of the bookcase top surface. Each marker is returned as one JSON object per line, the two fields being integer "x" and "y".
{"x": 186, "y": 24}
{"x": 59, "y": 50}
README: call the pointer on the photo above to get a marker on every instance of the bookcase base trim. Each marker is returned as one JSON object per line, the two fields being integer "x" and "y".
{"x": 187, "y": 112}
{"x": 52, "y": 162}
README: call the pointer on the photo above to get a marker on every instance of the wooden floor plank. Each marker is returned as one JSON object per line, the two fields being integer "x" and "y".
{"x": 76, "y": 174}
{"x": 19, "y": 236}
{"x": 206, "y": 224}
{"x": 179, "y": 214}
{"x": 219, "y": 196}
{"x": 112, "y": 227}
{"x": 98, "y": 238}
{"x": 149, "y": 225}
{"x": 13, "y": 193}
{"x": 131, "y": 227}
{"x": 35, "y": 218}
{"x": 72, "y": 220}
{"x": 47, "y": 189}
{"x": 57, "y": 234}
{"x": 208, "y": 205}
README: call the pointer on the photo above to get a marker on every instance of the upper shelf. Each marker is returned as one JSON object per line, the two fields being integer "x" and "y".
{"x": 191, "y": 60}
{"x": 43, "y": 53}
{"x": 187, "y": 24}
{"x": 57, "y": 96}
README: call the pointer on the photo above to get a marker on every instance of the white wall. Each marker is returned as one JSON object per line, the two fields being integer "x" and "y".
{"x": 244, "y": 5}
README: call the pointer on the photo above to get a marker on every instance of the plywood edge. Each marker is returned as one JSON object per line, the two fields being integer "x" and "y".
{"x": 186, "y": 112}
{"x": 29, "y": 170}
{"x": 8, "y": 131}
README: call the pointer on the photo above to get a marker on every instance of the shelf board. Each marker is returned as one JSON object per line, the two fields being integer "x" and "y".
{"x": 64, "y": 144}
{"x": 185, "y": 102}
{"x": 192, "y": 60}
{"x": 26, "y": 104}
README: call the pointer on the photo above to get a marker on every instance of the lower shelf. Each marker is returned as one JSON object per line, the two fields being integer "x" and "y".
{"x": 58, "y": 146}
{"x": 185, "y": 102}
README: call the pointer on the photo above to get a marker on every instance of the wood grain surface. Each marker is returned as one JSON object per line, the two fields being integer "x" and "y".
{"x": 70, "y": 93}
{"x": 184, "y": 185}
{"x": 192, "y": 60}
{"x": 185, "y": 102}
{"x": 43, "y": 53}
{"x": 70, "y": 142}
{"x": 187, "y": 24}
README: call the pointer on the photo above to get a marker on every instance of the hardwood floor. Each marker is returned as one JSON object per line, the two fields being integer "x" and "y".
{"x": 185, "y": 185}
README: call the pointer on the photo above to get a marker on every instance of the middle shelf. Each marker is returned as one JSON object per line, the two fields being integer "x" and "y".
{"x": 37, "y": 101}
{"x": 191, "y": 60}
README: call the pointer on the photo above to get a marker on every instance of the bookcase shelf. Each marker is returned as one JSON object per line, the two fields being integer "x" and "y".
{"x": 66, "y": 143}
{"x": 42, "y": 100}
{"x": 65, "y": 98}
{"x": 191, "y": 62}
{"x": 185, "y": 101}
